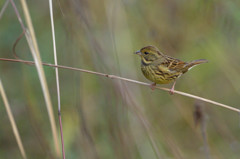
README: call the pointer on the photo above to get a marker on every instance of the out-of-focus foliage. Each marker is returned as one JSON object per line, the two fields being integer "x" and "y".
{"x": 105, "y": 118}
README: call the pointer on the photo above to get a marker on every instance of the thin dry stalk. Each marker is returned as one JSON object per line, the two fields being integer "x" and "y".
{"x": 147, "y": 127}
{"x": 136, "y": 108}
{"x": 57, "y": 76}
{"x": 129, "y": 80}
{"x": 4, "y": 8}
{"x": 32, "y": 42}
{"x": 12, "y": 121}
{"x": 199, "y": 117}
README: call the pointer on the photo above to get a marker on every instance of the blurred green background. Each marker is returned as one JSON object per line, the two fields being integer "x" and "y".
{"x": 105, "y": 118}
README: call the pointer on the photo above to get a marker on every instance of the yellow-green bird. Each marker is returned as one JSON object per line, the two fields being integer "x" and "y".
{"x": 162, "y": 69}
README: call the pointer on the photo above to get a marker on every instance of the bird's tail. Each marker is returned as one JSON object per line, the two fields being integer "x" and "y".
{"x": 190, "y": 65}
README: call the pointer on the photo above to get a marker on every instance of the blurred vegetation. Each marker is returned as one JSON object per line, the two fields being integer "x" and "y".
{"x": 104, "y": 118}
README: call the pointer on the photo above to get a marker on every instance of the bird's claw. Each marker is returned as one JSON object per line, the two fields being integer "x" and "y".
{"x": 153, "y": 86}
{"x": 171, "y": 92}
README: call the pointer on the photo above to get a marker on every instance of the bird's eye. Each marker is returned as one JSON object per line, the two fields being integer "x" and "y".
{"x": 146, "y": 53}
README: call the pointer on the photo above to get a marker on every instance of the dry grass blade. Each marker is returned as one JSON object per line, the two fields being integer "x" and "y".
{"x": 4, "y": 8}
{"x": 55, "y": 53}
{"x": 12, "y": 121}
{"x": 199, "y": 117}
{"x": 132, "y": 81}
{"x": 57, "y": 76}
{"x": 31, "y": 38}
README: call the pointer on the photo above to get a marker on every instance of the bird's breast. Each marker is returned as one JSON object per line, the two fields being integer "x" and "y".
{"x": 157, "y": 76}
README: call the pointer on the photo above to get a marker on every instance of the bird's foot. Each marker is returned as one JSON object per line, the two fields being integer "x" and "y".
{"x": 153, "y": 86}
{"x": 172, "y": 89}
{"x": 171, "y": 92}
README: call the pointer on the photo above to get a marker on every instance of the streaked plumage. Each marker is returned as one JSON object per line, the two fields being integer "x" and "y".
{"x": 162, "y": 69}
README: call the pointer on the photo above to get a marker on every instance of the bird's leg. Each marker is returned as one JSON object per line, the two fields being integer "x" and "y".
{"x": 172, "y": 89}
{"x": 152, "y": 86}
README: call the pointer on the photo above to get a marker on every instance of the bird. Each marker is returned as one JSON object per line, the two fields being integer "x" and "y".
{"x": 162, "y": 69}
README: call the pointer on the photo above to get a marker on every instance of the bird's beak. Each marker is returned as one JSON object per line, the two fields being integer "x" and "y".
{"x": 138, "y": 52}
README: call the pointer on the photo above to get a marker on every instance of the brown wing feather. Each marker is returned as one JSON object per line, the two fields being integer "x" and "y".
{"x": 174, "y": 64}
{"x": 168, "y": 68}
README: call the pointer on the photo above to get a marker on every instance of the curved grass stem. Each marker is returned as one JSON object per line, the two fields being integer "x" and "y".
{"x": 128, "y": 80}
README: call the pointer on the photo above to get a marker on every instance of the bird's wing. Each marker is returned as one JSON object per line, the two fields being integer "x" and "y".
{"x": 167, "y": 69}
{"x": 171, "y": 65}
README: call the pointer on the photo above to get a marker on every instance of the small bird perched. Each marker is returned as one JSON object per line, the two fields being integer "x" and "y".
{"x": 162, "y": 69}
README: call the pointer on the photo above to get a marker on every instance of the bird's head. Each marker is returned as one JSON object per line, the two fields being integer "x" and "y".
{"x": 149, "y": 54}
